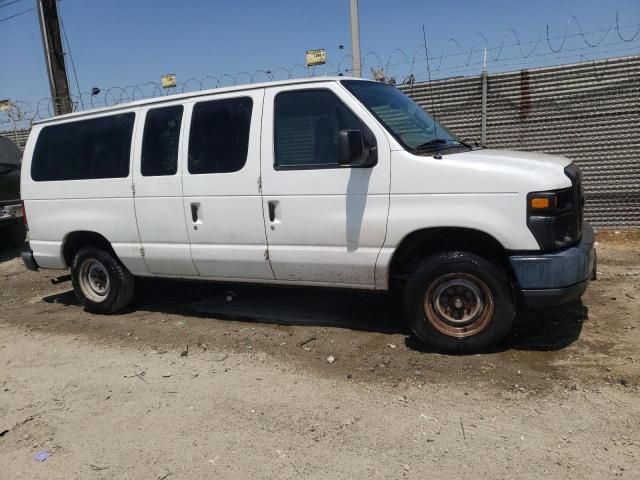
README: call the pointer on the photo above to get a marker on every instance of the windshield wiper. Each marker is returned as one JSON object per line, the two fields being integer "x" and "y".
{"x": 440, "y": 143}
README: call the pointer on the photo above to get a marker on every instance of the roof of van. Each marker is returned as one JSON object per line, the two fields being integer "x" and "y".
{"x": 199, "y": 93}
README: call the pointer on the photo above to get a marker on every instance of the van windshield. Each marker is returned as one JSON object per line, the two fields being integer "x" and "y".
{"x": 414, "y": 128}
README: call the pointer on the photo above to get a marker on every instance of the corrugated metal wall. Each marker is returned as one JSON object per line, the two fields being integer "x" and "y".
{"x": 589, "y": 112}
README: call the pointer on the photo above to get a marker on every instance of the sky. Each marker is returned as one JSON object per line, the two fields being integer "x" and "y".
{"x": 128, "y": 42}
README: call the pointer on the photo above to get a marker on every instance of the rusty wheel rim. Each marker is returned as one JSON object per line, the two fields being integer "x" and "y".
{"x": 459, "y": 305}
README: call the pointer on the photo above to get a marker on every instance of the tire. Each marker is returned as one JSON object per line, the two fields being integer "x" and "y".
{"x": 101, "y": 283}
{"x": 458, "y": 302}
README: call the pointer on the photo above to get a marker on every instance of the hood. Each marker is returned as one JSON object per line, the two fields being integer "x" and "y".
{"x": 478, "y": 171}
{"x": 547, "y": 168}
{"x": 532, "y": 160}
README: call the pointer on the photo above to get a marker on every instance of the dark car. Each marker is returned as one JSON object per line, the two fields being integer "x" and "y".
{"x": 12, "y": 230}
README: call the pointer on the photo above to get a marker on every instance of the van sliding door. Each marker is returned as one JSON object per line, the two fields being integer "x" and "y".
{"x": 158, "y": 192}
{"x": 222, "y": 201}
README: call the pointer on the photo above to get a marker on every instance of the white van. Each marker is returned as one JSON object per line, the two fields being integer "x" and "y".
{"x": 329, "y": 182}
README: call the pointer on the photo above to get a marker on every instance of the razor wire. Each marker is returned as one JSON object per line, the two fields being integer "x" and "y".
{"x": 395, "y": 66}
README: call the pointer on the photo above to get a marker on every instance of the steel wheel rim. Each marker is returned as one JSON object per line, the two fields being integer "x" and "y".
{"x": 94, "y": 280}
{"x": 459, "y": 305}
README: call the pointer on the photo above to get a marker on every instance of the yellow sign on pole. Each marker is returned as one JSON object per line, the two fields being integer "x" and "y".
{"x": 316, "y": 57}
{"x": 168, "y": 80}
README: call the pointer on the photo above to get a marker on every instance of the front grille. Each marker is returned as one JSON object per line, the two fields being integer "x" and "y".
{"x": 575, "y": 175}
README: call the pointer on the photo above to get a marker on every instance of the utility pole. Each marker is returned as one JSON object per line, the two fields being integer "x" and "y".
{"x": 355, "y": 39}
{"x": 54, "y": 56}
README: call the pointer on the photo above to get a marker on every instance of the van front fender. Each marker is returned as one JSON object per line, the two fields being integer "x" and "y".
{"x": 500, "y": 216}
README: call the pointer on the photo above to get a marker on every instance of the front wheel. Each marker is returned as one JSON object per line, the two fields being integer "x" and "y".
{"x": 458, "y": 302}
{"x": 101, "y": 283}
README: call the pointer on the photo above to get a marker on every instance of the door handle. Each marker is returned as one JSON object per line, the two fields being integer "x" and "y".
{"x": 272, "y": 211}
{"x": 275, "y": 213}
{"x": 194, "y": 212}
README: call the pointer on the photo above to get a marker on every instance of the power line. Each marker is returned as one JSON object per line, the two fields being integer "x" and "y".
{"x": 10, "y": 3}
{"x": 17, "y": 14}
{"x": 73, "y": 64}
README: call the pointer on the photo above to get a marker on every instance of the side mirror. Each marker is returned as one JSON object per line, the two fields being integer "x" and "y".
{"x": 351, "y": 146}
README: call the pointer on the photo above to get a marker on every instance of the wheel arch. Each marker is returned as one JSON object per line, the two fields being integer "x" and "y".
{"x": 428, "y": 241}
{"x": 76, "y": 240}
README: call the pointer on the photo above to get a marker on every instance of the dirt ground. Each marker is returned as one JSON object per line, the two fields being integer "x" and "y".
{"x": 189, "y": 385}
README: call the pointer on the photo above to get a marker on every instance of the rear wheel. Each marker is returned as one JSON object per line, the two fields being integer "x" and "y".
{"x": 101, "y": 283}
{"x": 458, "y": 302}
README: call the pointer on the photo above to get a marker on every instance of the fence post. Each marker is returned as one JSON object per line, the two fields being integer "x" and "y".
{"x": 13, "y": 121}
{"x": 483, "y": 121}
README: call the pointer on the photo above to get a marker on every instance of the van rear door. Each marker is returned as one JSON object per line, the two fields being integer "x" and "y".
{"x": 158, "y": 191}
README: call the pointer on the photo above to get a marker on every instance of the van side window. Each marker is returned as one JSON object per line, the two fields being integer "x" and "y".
{"x": 86, "y": 149}
{"x": 219, "y": 136}
{"x": 307, "y": 127}
{"x": 160, "y": 141}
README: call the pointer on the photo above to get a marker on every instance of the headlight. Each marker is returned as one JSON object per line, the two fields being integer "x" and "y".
{"x": 552, "y": 218}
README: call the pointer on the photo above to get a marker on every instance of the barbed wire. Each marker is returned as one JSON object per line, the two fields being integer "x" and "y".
{"x": 398, "y": 65}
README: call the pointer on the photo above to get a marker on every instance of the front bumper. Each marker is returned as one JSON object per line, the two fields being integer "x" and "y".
{"x": 551, "y": 279}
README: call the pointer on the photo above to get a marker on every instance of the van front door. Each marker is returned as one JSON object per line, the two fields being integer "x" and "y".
{"x": 222, "y": 200}
{"x": 325, "y": 222}
{"x": 158, "y": 192}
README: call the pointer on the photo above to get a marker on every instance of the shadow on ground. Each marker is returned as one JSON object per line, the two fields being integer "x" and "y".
{"x": 540, "y": 330}
{"x": 9, "y": 253}
{"x": 550, "y": 328}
